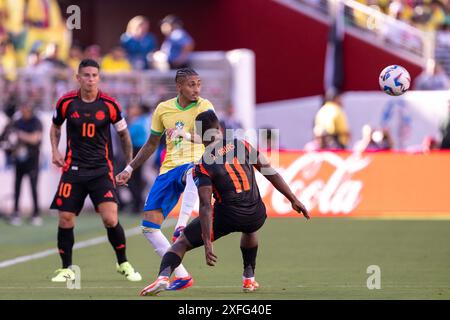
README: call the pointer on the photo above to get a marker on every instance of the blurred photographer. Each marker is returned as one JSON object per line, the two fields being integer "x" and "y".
{"x": 21, "y": 141}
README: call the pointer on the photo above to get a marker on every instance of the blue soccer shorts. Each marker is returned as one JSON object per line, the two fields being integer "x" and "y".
{"x": 166, "y": 190}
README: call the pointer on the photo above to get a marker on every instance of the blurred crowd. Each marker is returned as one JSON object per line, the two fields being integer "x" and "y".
{"x": 331, "y": 132}
{"x": 427, "y": 15}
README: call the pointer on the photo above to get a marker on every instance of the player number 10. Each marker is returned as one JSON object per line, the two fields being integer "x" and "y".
{"x": 88, "y": 130}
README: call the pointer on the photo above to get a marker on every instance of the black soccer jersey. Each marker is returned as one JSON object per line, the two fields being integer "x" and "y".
{"x": 228, "y": 167}
{"x": 89, "y": 145}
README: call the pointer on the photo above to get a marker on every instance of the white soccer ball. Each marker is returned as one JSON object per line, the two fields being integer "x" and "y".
{"x": 394, "y": 80}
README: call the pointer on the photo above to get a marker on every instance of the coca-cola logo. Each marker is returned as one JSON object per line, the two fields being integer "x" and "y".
{"x": 337, "y": 193}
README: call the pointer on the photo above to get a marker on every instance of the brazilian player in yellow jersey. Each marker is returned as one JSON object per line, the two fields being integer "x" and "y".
{"x": 176, "y": 117}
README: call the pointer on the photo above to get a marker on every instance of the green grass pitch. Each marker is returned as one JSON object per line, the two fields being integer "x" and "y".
{"x": 324, "y": 258}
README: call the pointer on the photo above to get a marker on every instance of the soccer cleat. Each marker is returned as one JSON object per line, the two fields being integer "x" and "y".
{"x": 177, "y": 233}
{"x": 128, "y": 271}
{"x": 16, "y": 221}
{"x": 181, "y": 283}
{"x": 249, "y": 284}
{"x": 156, "y": 287}
{"x": 36, "y": 221}
{"x": 63, "y": 275}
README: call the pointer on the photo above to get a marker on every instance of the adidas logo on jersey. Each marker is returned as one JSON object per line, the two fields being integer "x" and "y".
{"x": 108, "y": 195}
{"x": 75, "y": 115}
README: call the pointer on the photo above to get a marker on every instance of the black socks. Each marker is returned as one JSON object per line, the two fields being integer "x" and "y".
{"x": 249, "y": 257}
{"x": 169, "y": 262}
{"x": 116, "y": 237}
{"x": 66, "y": 240}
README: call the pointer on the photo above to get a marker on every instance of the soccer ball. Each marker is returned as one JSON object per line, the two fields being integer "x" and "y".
{"x": 394, "y": 80}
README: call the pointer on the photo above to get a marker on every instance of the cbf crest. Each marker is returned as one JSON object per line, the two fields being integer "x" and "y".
{"x": 179, "y": 125}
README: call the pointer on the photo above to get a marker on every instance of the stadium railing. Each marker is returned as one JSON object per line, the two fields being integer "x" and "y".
{"x": 45, "y": 86}
{"x": 368, "y": 23}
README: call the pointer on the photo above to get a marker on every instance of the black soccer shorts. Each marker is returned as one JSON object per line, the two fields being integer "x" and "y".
{"x": 225, "y": 222}
{"x": 73, "y": 190}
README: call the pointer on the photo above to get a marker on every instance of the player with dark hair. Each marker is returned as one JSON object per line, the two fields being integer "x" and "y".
{"x": 87, "y": 167}
{"x": 175, "y": 116}
{"x": 225, "y": 170}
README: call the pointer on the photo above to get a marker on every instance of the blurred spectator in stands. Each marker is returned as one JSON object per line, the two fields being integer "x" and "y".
{"x": 315, "y": 144}
{"x": 138, "y": 120}
{"x": 331, "y": 124}
{"x": 178, "y": 44}
{"x": 28, "y": 136}
{"x": 7, "y": 59}
{"x": 366, "y": 143}
{"x": 116, "y": 61}
{"x": 401, "y": 10}
{"x": 382, "y": 139}
{"x": 51, "y": 56}
{"x": 138, "y": 42}
{"x": 93, "y": 52}
{"x": 432, "y": 78}
{"x": 429, "y": 144}
{"x": 445, "y": 131}
{"x": 229, "y": 121}
{"x": 75, "y": 57}
{"x": 44, "y": 24}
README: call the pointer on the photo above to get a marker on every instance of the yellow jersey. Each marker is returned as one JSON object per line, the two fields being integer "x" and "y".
{"x": 331, "y": 120}
{"x": 170, "y": 115}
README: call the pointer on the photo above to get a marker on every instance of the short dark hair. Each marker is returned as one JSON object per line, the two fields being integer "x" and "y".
{"x": 208, "y": 119}
{"x": 184, "y": 73}
{"x": 172, "y": 20}
{"x": 88, "y": 63}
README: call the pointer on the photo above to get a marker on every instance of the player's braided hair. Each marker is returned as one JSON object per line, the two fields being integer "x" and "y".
{"x": 184, "y": 73}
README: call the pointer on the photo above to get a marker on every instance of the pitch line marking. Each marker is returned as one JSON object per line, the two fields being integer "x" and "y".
{"x": 80, "y": 245}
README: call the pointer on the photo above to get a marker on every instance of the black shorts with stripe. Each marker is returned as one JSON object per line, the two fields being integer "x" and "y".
{"x": 74, "y": 188}
{"x": 225, "y": 222}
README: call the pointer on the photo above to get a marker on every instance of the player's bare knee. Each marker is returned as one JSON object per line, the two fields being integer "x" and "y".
{"x": 66, "y": 220}
{"x": 110, "y": 222}
{"x": 183, "y": 243}
{"x": 155, "y": 217}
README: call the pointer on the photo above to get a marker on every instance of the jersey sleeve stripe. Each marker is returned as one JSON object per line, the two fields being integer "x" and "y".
{"x": 64, "y": 107}
{"x": 112, "y": 111}
{"x": 203, "y": 170}
{"x": 156, "y": 133}
{"x": 68, "y": 95}
{"x": 247, "y": 145}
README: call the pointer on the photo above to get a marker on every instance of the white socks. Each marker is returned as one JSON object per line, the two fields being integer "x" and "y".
{"x": 190, "y": 197}
{"x": 161, "y": 245}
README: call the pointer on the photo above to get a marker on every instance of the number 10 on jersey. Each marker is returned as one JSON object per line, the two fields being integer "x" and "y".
{"x": 88, "y": 130}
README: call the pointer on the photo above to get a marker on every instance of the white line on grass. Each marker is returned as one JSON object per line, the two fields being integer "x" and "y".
{"x": 80, "y": 245}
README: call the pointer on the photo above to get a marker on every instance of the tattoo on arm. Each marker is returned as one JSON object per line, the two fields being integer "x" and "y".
{"x": 55, "y": 136}
{"x": 127, "y": 148}
{"x": 145, "y": 152}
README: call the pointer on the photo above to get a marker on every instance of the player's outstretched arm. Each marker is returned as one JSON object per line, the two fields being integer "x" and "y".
{"x": 205, "y": 214}
{"x": 278, "y": 182}
{"x": 125, "y": 142}
{"x": 144, "y": 153}
{"x": 55, "y": 136}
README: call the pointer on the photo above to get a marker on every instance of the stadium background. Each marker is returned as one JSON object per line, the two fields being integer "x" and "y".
{"x": 268, "y": 59}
